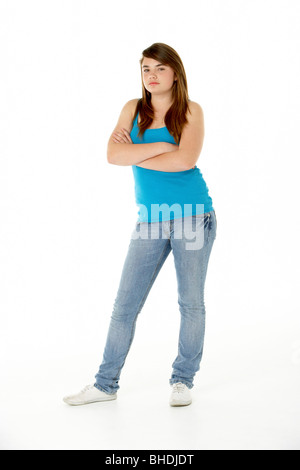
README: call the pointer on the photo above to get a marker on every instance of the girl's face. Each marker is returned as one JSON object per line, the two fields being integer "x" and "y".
{"x": 157, "y": 78}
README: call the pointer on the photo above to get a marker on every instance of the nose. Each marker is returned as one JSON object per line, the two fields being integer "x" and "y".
{"x": 152, "y": 75}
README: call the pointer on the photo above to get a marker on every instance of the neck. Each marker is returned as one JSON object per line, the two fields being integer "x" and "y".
{"x": 161, "y": 103}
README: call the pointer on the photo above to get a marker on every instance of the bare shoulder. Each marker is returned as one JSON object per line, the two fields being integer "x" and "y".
{"x": 126, "y": 115}
{"x": 130, "y": 106}
{"x": 134, "y": 101}
{"x": 196, "y": 111}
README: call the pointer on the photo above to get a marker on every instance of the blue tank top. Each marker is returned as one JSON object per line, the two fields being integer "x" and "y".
{"x": 165, "y": 195}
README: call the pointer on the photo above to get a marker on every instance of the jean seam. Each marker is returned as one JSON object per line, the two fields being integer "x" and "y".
{"x": 210, "y": 228}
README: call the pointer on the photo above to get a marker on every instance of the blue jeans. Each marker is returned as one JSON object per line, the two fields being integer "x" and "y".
{"x": 147, "y": 252}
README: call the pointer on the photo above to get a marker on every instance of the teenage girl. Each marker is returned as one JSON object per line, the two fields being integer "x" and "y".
{"x": 174, "y": 204}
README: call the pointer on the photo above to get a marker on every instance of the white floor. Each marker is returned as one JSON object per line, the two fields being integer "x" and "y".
{"x": 245, "y": 397}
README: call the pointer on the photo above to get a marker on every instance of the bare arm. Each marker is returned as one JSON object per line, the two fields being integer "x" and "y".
{"x": 187, "y": 154}
{"x": 171, "y": 162}
{"x": 118, "y": 150}
{"x": 125, "y": 155}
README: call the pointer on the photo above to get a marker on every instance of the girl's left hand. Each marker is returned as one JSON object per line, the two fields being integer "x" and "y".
{"x": 122, "y": 137}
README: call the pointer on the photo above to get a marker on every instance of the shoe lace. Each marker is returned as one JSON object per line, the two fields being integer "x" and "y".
{"x": 179, "y": 387}
{"x": 88, "y": 387}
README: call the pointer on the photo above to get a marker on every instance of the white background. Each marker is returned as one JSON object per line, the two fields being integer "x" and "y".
{"x": 66, "y": 215}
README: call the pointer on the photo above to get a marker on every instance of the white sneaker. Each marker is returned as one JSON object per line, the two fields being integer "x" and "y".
{"x": 181, "y": 395}
{"x": 89, "y": 394}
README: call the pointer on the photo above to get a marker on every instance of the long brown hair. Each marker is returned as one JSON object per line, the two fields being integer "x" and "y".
{"x": 175, "y": 118}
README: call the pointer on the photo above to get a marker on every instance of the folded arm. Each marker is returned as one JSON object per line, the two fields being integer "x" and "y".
{"x": 171, "y": 162}
{"x": 187, "y": 153}
{"x": 121, "y": 150}
{"x": 123, "y": 154}
{"x": 161, "y": 156}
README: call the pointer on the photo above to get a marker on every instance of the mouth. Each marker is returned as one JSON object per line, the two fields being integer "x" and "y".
{"x": 153, "y": 83}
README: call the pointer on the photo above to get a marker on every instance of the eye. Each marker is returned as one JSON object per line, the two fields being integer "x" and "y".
{"x": 147, "y": 70}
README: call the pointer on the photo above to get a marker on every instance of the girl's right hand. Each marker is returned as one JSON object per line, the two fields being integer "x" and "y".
{"x": 122, "y": 136}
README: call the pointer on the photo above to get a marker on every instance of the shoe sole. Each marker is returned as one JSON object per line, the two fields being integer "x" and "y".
{"x": 88, "y": 402}
{"x": 180, "y": 403}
